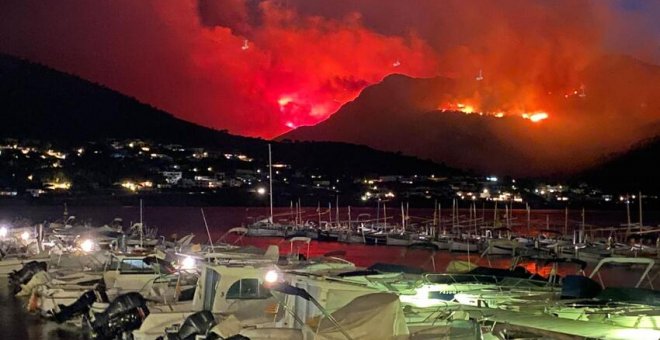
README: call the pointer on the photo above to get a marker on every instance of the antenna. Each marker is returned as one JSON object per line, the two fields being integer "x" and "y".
{"x": 207, "y": 230}
{"x": 480, "y": 76}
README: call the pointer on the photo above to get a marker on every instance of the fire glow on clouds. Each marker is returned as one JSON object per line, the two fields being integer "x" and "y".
{"x": 261, "y": 68}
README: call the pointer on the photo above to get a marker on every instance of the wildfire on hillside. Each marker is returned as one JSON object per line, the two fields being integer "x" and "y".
{"x": 468, "y": 109}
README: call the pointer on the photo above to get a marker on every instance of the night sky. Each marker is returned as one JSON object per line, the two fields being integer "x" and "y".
{"x": 260, "y": 68}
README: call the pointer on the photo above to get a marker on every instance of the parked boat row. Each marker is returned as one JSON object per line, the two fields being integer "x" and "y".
{"x": 178, "y": 291}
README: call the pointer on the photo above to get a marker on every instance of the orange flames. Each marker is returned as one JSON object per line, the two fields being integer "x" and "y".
{"x": 534, "y": 117}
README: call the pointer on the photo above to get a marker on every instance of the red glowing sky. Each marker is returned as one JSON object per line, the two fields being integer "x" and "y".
{"x": 260, "y": 68}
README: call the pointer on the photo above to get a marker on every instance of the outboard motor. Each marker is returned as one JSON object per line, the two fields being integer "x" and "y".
{"x": 124, "y": 314}
{"x": 25, "y": 274}
{"x": 79, "y": 307}
{"x": 82, "y": 305}
{"x": 197, "y": 324}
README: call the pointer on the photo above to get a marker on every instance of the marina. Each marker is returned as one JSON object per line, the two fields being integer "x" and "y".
{"x": 482, "y": 284}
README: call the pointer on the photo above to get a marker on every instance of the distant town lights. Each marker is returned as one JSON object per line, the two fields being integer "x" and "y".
{"x": 261, "y": 191}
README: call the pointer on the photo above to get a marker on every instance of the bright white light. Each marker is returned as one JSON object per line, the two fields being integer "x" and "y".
{"x": 261, "y": 191}
{"x": 3, "y": 231}
{"x": 87, "y": 245}
{"x": 421, "y": 298}
{"x": 271, "y": 276}
{"x": 188, "y": 263}
{"x": 25, "y": 236}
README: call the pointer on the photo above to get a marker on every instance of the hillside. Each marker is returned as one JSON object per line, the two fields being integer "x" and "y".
{"x": 620, "y": 108}
{"x": 46, "y": 105}
{"x": 633, "y": 170}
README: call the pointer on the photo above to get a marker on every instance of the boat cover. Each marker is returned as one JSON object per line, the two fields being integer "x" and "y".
{"x": 395, "y": 268}
{"x": 458, "y": 266}
{"x": 631, "y": 295}
{"x": 371, "y": 316}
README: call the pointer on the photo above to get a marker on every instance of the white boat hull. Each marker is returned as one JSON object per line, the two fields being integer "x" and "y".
{"x": 462, "y": 246}
{"x": 395, "y": 241}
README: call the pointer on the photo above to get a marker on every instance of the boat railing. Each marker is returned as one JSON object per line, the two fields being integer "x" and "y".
{"x": 501, "y": 282}
{"x": 648, "y": 262}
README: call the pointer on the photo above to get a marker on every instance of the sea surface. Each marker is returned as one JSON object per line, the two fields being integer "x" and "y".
{"x": 16, "y": 323}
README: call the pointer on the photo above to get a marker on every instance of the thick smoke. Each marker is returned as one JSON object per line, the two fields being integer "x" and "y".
{"x": 263, "y": 67}
{"x": 255, "y": 68}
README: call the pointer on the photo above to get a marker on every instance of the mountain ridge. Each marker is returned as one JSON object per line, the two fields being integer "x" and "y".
{"x": 402, "y": 108}
{"x": 51, "y": 106}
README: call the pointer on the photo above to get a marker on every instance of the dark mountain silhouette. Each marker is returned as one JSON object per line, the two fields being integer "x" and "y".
{"x": 401, "y": 114}
{"x": 635, "y": 169}
{"x": 46, "y": 105}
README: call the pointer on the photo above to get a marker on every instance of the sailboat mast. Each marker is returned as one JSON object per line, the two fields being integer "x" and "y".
{"x": 407, "y": 212}
{"x": 529, "y": 217}
{"x": 378, "y": 211}
{"x": 628, "y": 214}
{"x": 337, "y": 213}
{"x": 641, "y": 224}
{"x": 349, "y": 218}
{"x": 435, "y": 212}
{"x": 403, "y": 218}
{"x": 299, "y": 213}
{"x": 270, "y": 181}
{"x": 495, "y": 215}
{"x": 439, "y": 218}
{"x": 565, "y": 220}
{"x": 208, "y": 232}
{"x": 141, "y": 226}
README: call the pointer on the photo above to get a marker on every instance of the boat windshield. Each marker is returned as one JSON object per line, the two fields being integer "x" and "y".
{"x": 247, "y": 289}
{"x": 135, "y": 266}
